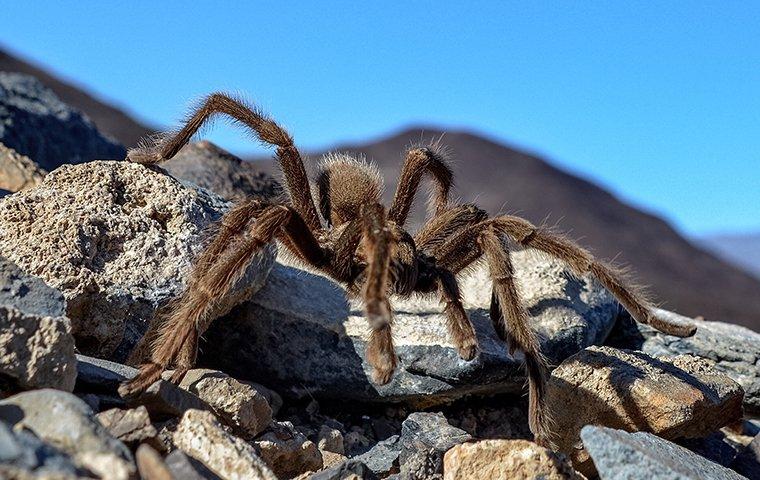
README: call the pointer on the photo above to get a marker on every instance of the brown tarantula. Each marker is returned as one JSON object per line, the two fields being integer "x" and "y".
{"x": 354, "y": 240}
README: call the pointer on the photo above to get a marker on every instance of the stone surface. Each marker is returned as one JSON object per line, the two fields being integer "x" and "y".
{"x": 303, "y": 335}
{"x": 67, "y": 423}
{"x": 734, "y": 349}
{"x": 330, "y": 439}
{"x": 201, "y": 436}
{"x": 35, "y": 351}
{"x": 23, "y": 455}
{"x": 425, "y": 438}
{"x": 620, "y": 455}
{"x": 240, "y": 404}
{"x": 505, "y": 459}
{"x": 351, "y": 469}
{"x": 150, "y": 464}
{"x": 683, "y": 397}
{"x": 29, "y": 293}
{"x": 382, "y": 458}
{"x": 117, "y": 239}
{"x": 187, "y": 468}
{"x": 35, "y": 123}
{"x": 130, "y": 426}
{"x": 101, "y": 376}
{"x": 18, "y": 172}
{"x": 287, "y": 451}
{"x": 215, "y": 169}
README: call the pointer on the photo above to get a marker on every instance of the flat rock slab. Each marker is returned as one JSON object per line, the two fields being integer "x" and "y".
{"x": 682, "y": 397}
{"x": 117, "y": 239}
{"x": 734, "y": 349}
{"x": 299, "y": 332}
{"x": 619, "y": 455}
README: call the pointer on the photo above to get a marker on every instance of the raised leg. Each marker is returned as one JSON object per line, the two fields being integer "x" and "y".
{"x": 419, "y": 161}
{"x": 265, "y": 130}
{"x": 377, "y": 245}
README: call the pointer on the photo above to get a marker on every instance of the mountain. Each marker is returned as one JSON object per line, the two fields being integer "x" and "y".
{"x": 681, "y": 276}
{"x": 108, "y": 118}
{"x": 740, "y": 250}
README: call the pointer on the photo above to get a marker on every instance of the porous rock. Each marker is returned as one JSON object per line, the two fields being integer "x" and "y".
{"x": 505, "y": 459}
{"x": 241, "y": 404}
{"x": 131, "y": 426}
{"x": 202, "y": 437}
{"x": 734, "y": 349}
{"x": 303, "y": 335}
{"x": 117, "y": 239}
{"x": 67, "y": 423}
{"x": 681, "y": 397}
{"x": 18, "y": 172}
{"x": 36, "y": 123}
{"x": 621, "y": 455}
{"x": 287, "y": 451}
{"x": 425, "y": 438}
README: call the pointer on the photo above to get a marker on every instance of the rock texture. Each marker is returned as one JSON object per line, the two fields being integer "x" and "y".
{"x": 287, "y": 451}
{"x": 505, "y": 459}
{"x": 681, "y": 397}
{"x": 620, "y": 455}
{"x": 67, "y": 423}
{"x": 35, "y": 123}
{"x": 734, "y": 349}
{"x": 131, "y": 426}
{"x": 117, "y": 239}
{"x": 201, "y": 436}
{"x": 303, "y": 335}
{"x": 18, "y": 172}
{"x": 425, "y": 438}
{"x": 23, "y": 455}
{"x": 215, "y": 169}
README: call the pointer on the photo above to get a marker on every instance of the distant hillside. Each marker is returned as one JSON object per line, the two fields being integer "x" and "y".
{"x": 741, "y": 250}
{"x": 107, "y": 118}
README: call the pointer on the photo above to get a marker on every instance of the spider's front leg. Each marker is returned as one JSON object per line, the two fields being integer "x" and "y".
{"x": 458, "y": 322}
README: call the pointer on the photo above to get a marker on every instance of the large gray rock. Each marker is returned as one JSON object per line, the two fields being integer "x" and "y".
{"x": 118, "y": 240}
{"x": 620, "y": 455}
{"x": 734, "y": 349}
{"x": 67, "y": 423}
{"x": 18, "y": 172}
{"x": 215, "y": 169}
{"x": 35, "y": 123}
{"x": 300, "y": 333}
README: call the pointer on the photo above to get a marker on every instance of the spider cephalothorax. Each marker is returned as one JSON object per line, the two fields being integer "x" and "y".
{"x": 354, "y": 240}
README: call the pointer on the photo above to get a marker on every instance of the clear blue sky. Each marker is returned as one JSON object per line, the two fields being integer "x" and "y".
{"x": 658, "y": 101}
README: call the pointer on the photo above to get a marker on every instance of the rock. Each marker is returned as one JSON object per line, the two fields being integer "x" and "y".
{"x": 150, "y": 464}
{"x": 187, "y": 468}
{"x": 215, "y": 169}
{"x": 18, "y": 172}
{"x": 36, "y": 352}
{"x": 28, "y": 293}
{"x": 681, "y": 397}
{"x": 130, "y": 426}
{"x": 117, "y": 239}
{"x": 303, "y": 335}
{"x": 715, "y": 447}
{"x": 734, "y": 349}
{"x": 505, "y": 459}
{"x": 36, "y": 123}
{"x": 201, "y": 436}
{"x": 621, "y": 455}
{"x": 101, "y": 376}
{"x": 287, "y": 451}
{"x": 747, "y": 462}
{"x": 240, "y": 404}
{"x": 67, "y": 423}
{"x": 351, "y": 469}
{"x": 382, "y": 459}
{"x": 23, "y": 455}
{"x": 425, "y": 438}
{"x": 331, "y": 440}
{"x": 355, "y": 443}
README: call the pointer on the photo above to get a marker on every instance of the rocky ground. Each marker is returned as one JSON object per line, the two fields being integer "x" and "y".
{"x": 89, "y": 253}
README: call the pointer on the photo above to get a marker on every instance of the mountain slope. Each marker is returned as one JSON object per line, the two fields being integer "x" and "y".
{"x": 108, "y": 119}
{"x": 740, "y": 250}
{"x": 682, "y": 276}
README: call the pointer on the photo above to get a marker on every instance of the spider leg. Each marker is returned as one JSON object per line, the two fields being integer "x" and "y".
{"x": 265, "y": 130}
{"x": 378, "y": 245}
{"x": 419, "y": 161}
{"x": 444, "y": 225}
{"x": 460, "y": 327}
{"x": 216, "y": 271}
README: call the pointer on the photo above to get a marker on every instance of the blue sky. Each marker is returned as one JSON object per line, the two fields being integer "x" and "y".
{"x": 657, "y": 101}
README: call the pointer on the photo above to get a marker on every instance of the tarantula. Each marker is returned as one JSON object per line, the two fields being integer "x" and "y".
{"x": 348, "y": 235}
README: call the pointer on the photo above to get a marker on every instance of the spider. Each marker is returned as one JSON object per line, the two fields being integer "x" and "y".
{"x": 346, "y": 233}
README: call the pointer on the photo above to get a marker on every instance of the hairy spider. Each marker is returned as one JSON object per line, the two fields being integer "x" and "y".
{"x": 354, "y": 240}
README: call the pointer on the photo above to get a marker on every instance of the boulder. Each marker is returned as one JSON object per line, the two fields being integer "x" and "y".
{"x": 202, "y": 437}
{"x": 241, "y": 404}
{"x": 118, "y": 240}
{"x": 621, "y": 455}
{"x": 425, "y": 438}
{"x": 18, "y": 172}
{"x": 680, "y": 397}
{"x": 36, "y": 123}
{"x": 68, "y": 424}
{"x": 287, "y": 451}
{"x": 302, "y": 334}
{"x": 217, "y": 170}
{"x": 506, "y": 459}
{"x": 734, "y": 349}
